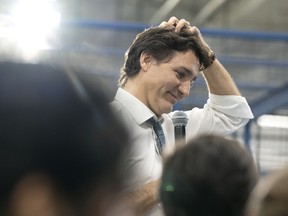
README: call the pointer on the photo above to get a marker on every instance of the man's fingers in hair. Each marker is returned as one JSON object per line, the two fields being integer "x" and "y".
{"x": 198, "y": 35}
{"x": 181, "y": 24}
{"x": 194, "y": 30}
{"x": 173, "y": 21}
{"x": 163, "y": 24}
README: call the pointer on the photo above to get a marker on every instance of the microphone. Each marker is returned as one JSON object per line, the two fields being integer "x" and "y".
{"x": 180, "y": 120}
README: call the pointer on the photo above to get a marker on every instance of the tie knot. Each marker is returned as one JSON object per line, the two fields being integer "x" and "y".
{"x": 152, "y": 121}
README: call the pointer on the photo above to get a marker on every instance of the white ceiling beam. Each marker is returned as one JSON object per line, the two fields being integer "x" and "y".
{"x": 164, "y": 10}
{"x": 207, "y": 11}
{"x": 245, "y": 9}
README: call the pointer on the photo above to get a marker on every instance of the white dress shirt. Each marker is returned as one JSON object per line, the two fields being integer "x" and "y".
{"x": 221, "y": 114}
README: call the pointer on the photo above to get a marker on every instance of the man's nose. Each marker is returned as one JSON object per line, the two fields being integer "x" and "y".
{"x": 184, "y": 88}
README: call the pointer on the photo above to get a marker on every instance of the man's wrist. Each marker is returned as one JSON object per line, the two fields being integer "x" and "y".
{"x": 212, "y": 57}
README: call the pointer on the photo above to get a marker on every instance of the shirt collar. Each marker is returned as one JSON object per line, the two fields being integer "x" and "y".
{"x": 139, "y": 111}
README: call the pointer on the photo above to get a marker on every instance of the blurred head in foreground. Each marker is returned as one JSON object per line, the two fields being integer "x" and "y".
{"x": 270, "y": 197}
{"x": 59, "y": 143}
{"x": 211, "y": 175}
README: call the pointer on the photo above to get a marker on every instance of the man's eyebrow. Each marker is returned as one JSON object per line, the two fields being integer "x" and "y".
{"x": 190, "y": 72}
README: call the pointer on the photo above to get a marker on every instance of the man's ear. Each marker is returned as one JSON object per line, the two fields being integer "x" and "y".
{"x": 35, "y": 194}
{"x": 145, "y": 60}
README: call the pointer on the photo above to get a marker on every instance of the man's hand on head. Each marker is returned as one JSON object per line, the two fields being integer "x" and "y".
{"x": 173, "y": 22}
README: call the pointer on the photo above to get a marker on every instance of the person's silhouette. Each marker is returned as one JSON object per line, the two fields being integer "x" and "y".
{"x": 60, "y": 145}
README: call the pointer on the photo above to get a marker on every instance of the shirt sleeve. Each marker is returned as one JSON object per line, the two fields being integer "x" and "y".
{"x": 221, "y": 114}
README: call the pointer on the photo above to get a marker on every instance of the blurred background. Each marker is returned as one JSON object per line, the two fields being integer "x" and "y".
{"x": 249, "y": 37}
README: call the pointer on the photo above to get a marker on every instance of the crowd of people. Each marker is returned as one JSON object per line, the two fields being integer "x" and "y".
{"x": 67, "y": 150}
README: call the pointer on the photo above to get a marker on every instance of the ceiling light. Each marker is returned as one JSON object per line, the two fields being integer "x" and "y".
{"x": 273, "y": 121}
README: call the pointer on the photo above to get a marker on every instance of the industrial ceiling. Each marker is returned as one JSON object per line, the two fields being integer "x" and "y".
{"x": 249, "y": 37}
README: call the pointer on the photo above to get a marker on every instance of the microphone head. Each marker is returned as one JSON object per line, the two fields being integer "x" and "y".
{"x": 179, "y": 118}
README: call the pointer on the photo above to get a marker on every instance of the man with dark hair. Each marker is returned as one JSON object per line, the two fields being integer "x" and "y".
{"x": 160, "y": 67}
{"x": 60, "y": 144}
{"x": 211, "y": 175}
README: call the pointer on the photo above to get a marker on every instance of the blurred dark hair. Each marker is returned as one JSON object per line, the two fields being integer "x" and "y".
{"x": 212, "y": 175}
{"x": 50, "y": 123}
{"x": 161, "y": 43}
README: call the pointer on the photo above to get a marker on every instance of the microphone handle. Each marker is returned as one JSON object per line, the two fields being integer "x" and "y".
{"x": 180, "y": 133}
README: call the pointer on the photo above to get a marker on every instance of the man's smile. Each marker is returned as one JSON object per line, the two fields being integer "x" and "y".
{"x": 172, "y": 97}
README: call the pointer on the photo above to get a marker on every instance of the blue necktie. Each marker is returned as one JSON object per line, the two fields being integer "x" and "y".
{"x": 160, "y": 137}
